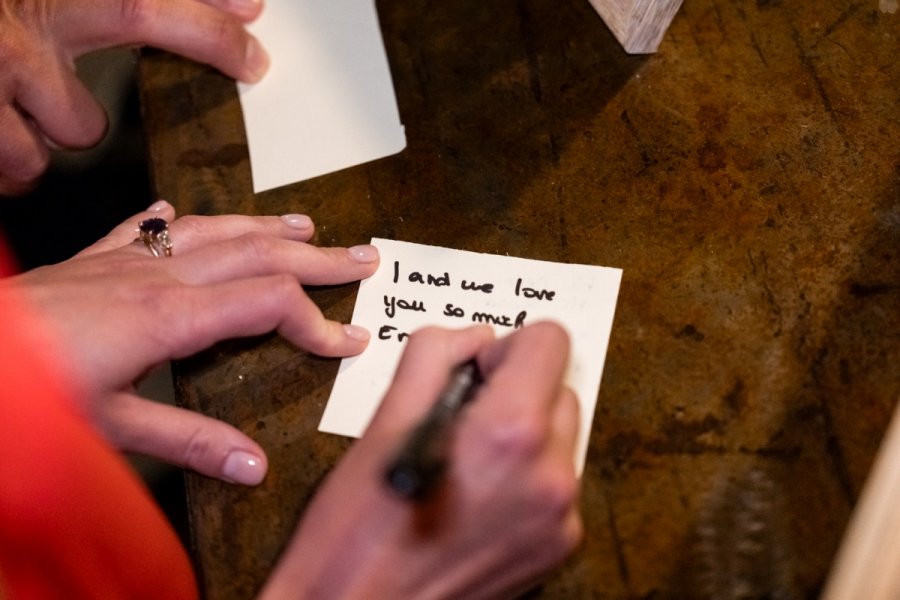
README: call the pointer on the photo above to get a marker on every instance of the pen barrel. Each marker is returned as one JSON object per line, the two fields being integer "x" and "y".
{"x": 423, "y": 458}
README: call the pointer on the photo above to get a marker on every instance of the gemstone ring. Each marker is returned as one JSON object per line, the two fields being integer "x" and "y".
{"x": 155, "y": 235}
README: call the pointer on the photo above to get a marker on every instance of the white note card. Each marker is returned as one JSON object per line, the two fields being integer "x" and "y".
{"x": 418, "y": 285}
{"x": 327, "y": 102}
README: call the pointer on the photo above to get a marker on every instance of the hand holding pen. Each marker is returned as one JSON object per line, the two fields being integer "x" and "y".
{"x": 504, "y": 509}
{"x": 420, "y": 463}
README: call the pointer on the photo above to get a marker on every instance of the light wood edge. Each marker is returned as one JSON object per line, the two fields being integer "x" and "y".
{"x": 639, "y": 25}
{"x": 867, "y": 565}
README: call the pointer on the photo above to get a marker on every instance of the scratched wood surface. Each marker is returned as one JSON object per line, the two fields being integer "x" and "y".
{"x": 746, "y": 177}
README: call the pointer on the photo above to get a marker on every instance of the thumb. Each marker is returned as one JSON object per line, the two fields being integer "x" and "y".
{"x": 192, "y": 29}
{"x": 182, "y": 437}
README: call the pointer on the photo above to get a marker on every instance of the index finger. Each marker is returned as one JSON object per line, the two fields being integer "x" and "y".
{"x": 192, "y": 29}
{"x": 429, "y": 357}
{"x": 527, "y": 369}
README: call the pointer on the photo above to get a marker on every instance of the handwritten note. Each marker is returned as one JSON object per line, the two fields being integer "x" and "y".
{"x": 418, "y": 285}
{"x": 327, "y": 102}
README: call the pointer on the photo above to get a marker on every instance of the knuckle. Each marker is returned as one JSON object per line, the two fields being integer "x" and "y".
{"x": 32, "y": 167}
{"x": 226, "y": 41}
{"x": 166, "y": 303}
{"x": 197, "y": 451}
{"x": 520, "y": 439}
{"x": 557, "y": 493}
{"x": 149, "y": 299}
{"x": 192, "y": 225}
{"x": 21, "y": 179}
{"x": 24, "y": 159}
{"x": 285, "y": 300}
{"x": 285, "y": 289}
{"x": 257, "y": 247}
{"x": 555, "y": 497}
{"x": 21, "y": 39}
{"x": 137, "y": 15}
{"x": 564, "y": 540}
{"x": 227, "y": 30}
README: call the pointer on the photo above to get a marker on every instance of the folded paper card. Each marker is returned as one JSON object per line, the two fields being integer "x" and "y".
{"x": 418, "y": 285}
{"x": 327, "y": 102}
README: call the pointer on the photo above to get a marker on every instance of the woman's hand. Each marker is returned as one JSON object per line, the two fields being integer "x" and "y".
{"x": 44, "y": 105}
{"x": 507, "y": 510}
{"x": 119, "y": 311}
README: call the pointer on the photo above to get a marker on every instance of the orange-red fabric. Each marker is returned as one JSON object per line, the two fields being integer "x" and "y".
{"x": 75, "y": 522}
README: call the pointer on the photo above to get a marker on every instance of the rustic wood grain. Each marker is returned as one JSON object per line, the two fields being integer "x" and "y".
{"x": 746, "y": 179}
{"x": 639, "y": 25}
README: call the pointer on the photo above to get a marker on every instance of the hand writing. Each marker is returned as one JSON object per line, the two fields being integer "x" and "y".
{"x": 42, "y": 102}
{"x": 506, "y": 512}
{"x": 119, "y": 311}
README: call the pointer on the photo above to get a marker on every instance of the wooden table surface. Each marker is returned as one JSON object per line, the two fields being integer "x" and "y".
{"x": 746, "y": 178}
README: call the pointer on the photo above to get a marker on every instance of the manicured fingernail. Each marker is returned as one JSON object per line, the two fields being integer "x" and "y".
{"x": 50, "y": 143}
{"x": 157, "y": 206}
{"x": 297, "y": 221}
{"x": 243, "y": 467}
{"x": 364, "y": 253}
{"x": 247, "y": 6}
{"x": 256, "y": 60}
{"x": 356, "y": 332}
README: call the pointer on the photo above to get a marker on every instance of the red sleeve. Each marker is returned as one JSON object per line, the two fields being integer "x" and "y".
{"x": 75, "y": 521}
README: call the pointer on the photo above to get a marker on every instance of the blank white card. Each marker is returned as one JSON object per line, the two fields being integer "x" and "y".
{"x": 327, "y": 102}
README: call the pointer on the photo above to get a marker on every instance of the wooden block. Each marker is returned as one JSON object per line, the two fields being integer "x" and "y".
{"x": 639, "y": 25}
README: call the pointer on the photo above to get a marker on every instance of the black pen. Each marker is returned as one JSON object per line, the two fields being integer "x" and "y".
{"x": 422, "y": 460}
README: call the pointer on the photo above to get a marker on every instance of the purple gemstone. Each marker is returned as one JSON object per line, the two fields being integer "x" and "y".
{"x": 153, "y": 226}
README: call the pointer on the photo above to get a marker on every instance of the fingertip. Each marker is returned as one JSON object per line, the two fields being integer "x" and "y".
{"x": 327, "y": 338}
{"x": 244, "y": 467}
{"x": 78, "y": 122}
{"x": 551, "y": 332}
{"x": 298, "y": 221}
{"x": 357, "y": 333}
{"x": 256, "y": 61}
{"x": 542, "y": 341}
{"x": 364, "y": 254}
{"x": 246, "y": 10}
{"x": 160, "y": 209}
{"x": 485, "y": 332}
{"x": 158, "y": 206}
{"x": 567, "y": 415}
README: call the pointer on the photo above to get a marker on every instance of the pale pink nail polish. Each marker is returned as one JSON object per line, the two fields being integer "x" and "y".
{"x": 364, "y": 253}
{"x": 297, "y": 221}
{"x": 243, "y": 467}
{"x": 157, "y": 206}
{"x": 256, "y": 61}
{"x": 356, "y": 332}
